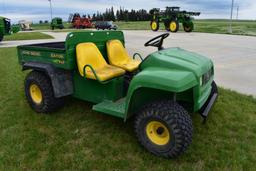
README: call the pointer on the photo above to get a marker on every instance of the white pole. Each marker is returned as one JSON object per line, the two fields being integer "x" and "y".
{"x": 4, "y": 6}
{"x": 231, "y": 16}
{"x": 237, "y": 10}
{"x": 51, "y": 8}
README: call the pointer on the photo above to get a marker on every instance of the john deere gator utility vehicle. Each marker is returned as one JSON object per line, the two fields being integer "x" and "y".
{"x": 57, "y": 23}
{"x": 158, "y": 91}
{"x": 171, "y": 17}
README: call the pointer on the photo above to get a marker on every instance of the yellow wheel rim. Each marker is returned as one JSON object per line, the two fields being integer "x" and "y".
{"x": 35, "y": 93}
{"x": 173, "y": 26}
{"x": 154, "y": 25}
{"x": 157, "y": 133}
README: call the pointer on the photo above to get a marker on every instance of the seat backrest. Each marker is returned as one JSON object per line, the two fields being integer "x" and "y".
{"x": 117, "y": 54}
{"x": 98, "y": 37}
{"x": 89, "y": 54}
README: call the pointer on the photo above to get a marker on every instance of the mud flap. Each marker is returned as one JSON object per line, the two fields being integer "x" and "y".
{"x": 204, "y": 111}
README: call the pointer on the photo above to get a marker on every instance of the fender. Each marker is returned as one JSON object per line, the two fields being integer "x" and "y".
{"x": 61, "y": 79}
{"x": 163, "y": 79}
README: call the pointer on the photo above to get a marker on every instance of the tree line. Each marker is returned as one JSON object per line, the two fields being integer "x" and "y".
{"x": 121, "y": 15}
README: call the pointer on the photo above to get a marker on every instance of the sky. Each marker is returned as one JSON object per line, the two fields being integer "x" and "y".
{"x": 35, "y": 10}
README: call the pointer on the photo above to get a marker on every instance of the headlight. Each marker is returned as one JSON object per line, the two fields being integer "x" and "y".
{"x": 206, "y": 77}
{"x": 201, "y": 81}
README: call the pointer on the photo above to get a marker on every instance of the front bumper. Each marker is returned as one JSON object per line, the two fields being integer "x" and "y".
{"x": 205, "y": 109}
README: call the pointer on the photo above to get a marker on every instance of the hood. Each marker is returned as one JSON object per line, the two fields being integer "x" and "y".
{"x": 178, "y": 59}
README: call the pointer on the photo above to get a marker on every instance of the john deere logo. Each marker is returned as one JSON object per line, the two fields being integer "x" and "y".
{"x": 31, "y": 53}
{"x": 55, "y": 55}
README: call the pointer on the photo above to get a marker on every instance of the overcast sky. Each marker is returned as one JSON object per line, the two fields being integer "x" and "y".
{"x": 39, "y": 9}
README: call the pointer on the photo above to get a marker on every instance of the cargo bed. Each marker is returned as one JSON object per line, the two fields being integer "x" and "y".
{"x": 63, "y": 54}
{"x": 52, "y": 45}
{"x": 52, "y": 53}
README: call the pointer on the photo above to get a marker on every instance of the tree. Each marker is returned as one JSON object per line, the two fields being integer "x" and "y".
{"x": 122, "y": 15}
{"x": 118, "y": 15}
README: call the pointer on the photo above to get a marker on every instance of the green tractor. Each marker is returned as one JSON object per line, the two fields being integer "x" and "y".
{"x": 158, "y": 92}
{"x": 5, "y": 27}
{"x": 57, "y": 23}
{"x": 171, "y": 18}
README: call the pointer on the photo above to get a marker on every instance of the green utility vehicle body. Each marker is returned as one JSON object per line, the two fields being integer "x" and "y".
{"x": 159, "y": 91}
{"x": 170, "y": 73}
{"x": 57, "y": 23}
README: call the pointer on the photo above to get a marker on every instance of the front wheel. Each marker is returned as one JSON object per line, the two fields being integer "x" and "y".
{"x": 164, "y": 128}
{"x": 154, "y": 25}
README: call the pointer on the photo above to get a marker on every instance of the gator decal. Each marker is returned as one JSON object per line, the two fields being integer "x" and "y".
{"x": 56, "y": 55}
{"x": 57, "y": 61}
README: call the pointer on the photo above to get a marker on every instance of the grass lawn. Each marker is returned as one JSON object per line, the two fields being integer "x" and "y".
{"x": 46, "y": 26}
{"x": 221, "y": 26}
{"x": 206, "y": 26}
{"x": 76, "y": 138}
{"x": 240, "y": 27}
{"x": 27, "y": 36}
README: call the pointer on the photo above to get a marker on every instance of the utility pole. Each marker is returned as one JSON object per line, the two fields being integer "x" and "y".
{"x": 231, "y": 16}
{"x": 237, "y": 10}
{"x": 4, "y": 6}
{"x": 50, "y": 8}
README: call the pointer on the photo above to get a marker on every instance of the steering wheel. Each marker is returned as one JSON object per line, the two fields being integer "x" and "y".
{"x": 157, "y": 41}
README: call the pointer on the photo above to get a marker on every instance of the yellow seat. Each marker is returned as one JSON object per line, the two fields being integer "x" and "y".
{"x": 118, "y": 56}
{"x": 89, "y": 54}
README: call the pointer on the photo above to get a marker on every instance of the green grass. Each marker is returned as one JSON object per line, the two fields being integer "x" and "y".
{"x": 46, "y": 26}
{"x": 27, "y": 36}
{"x": 221, "y": 26}
{"x": 76, "y": 138}
{"x": 67, "y": 28}
{"x": 206, "y": 26}
{"x": 240, "y": 27}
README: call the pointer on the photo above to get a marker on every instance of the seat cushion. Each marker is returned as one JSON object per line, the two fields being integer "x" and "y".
{"x": 130, "y": 66}
{"x": 118, "y": 56}
{"x": 106, "y": 73}
{"x": 89, "y": 54}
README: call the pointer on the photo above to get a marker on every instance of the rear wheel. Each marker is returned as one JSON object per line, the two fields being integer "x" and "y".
{"x": 1, "y": 37}
{"x": 164, "y": 128}
{"x": 188, "y": 27}
{"x": 39, "y": 93}
{"x": 174, "y": 26}
{"x": 154, "y": 25}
